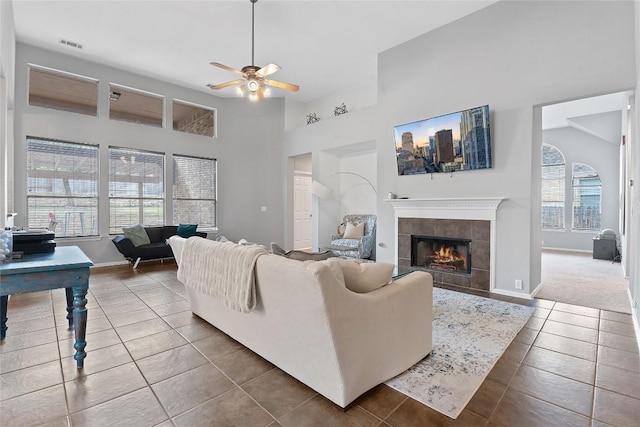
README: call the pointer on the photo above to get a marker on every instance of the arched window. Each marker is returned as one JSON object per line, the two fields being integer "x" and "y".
{"x": 587, "y": 192}
{"x": 552, "y": 188}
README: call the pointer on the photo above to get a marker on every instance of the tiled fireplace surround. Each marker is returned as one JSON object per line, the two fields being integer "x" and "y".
{"x": 477, "y": 231}
{"x": 458, "y": 218}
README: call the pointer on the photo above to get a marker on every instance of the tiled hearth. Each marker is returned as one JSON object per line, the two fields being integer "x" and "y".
{"x": 478, "y": 231}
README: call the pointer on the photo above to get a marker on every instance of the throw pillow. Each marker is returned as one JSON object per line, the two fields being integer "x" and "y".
{"x": 367, "y": 276}
{"x": 308, "y": 256}
{"x": 276, "y": 249}
{"x": 187, "y": 230}
{"x": 354, "y": 231}
{"x": 137, "y": 234}
{"x": 334, "y": 266}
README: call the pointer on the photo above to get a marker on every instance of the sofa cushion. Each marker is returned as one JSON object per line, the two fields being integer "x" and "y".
{"x": 308, "y": 256}
{"x": 335, "y": 267}
{"x": 155, "y": 234}
{"x": 354, "y": 231}
{"x": 137, "y": 234}
{"x": 187, "y": 230}
{"x": 365, "y": 277}
{"x": 166, "y": 231}
{"x": 300, "y": 255}
{"x": 346, "y": 243}
{"x": 154, "y": 251}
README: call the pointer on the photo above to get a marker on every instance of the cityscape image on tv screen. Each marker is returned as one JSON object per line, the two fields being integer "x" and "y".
{"x": 453, "y": 142}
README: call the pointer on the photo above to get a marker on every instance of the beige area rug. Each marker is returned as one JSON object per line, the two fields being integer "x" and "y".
{"x": 577, "y": 278}
{"x": 470, "y": 333}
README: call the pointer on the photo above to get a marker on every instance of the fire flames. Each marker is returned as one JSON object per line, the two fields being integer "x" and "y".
{"x": 446, "y": 258}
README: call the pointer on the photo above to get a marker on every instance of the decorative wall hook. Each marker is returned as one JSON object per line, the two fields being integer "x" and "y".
{"x": 312, "y": 118}
{"x": 340, "y": 109}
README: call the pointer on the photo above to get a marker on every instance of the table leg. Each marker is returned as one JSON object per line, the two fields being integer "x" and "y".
{"x": 69, "y": 293}
{"x": 3, "y": 316}
{"x": 80, "y": 323}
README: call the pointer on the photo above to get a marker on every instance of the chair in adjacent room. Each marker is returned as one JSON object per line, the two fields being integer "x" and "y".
{"x": 355, "y": 237}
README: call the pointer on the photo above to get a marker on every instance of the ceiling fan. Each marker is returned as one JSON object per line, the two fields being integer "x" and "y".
{"x": 254, "y": 76}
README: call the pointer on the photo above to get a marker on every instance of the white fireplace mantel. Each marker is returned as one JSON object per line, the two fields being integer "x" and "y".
{"x": 482, "y": 208}
{"x": 470, "y": 208}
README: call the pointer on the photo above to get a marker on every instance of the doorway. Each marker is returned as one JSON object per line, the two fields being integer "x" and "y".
{"x": 582, "y": 194}
{"x": 302, "y": 178}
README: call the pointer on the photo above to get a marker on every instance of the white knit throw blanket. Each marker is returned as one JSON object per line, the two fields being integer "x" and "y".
{"x": 221, "y": 269}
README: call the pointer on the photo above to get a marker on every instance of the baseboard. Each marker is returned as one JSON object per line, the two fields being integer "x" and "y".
{"x": 536, "y": 290}
{"x": 634, "y": 316}
{"x": 512, "y": 294}
{"x": 582, "y": 251}
{"x": 110, "y": 264}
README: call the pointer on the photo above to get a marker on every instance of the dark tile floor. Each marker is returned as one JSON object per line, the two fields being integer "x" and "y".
{"x": 151, "y": 362}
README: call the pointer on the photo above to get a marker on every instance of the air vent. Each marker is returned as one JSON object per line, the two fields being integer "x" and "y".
{"x": 70, "y": 43}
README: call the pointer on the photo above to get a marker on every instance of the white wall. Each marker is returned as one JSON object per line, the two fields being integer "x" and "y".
{"x": 355, "y": 194}
{"x": 356, "y": 97}
{"x": 604, "y": 157}
{"x": 248, "y": 148}
{"x": 324, "y": 140}
{"x": 513, "y": 56}
{"x": 634, "y": 231}
{"x": 7, "y": 88}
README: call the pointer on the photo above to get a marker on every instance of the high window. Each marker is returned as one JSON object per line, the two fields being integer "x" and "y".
{"x": 191, "y": 118}
{"x": 587, "y": 192}
{"x": 62, "y": 187}
{"x": 553, "y": 194}
{"x": 135, "y": 106}
{"x": 62, "y": 91}
{"x": 136, "y": 188}
{"x": 194, "y": 191}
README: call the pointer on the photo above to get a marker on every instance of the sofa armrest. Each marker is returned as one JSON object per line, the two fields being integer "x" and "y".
{"x": 125, "y": 246}
{"x": 177, "y": 244}
{"x": 386, "y": 330}
{"x": 336, "y": 236}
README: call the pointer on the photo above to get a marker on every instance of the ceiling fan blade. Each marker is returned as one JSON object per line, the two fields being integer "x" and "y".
{"x": 227, "y": 84}
{"x": 282, "y": 85}
{"x": 226, "y": 67}
{"x": 268, "y": 69}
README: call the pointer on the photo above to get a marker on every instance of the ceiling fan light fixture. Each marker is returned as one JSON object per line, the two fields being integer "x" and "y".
{"x": 253, "y": 81}
{"x": 252, "y": 84}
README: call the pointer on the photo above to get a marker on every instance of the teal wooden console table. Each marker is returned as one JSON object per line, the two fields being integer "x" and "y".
{"x": 67, "y": 267}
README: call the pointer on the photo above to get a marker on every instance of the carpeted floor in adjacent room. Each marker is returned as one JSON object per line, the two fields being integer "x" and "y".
{"x": 577, "y": 278}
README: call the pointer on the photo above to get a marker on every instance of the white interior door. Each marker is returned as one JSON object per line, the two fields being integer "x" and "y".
{"x": 301, "y": 211}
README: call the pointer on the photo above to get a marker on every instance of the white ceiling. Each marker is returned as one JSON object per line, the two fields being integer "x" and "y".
{"x": 600, "y": 116}
{"x": 323, "y": 46}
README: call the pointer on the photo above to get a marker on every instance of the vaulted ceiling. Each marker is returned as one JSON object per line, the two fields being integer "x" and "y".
{"x": 323, "y": 46}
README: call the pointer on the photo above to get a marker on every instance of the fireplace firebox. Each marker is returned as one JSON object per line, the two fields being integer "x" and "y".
{"x": 441, "y": 253}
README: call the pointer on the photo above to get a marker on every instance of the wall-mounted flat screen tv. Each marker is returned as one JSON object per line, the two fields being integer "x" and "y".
{"x": 453, "y": 142}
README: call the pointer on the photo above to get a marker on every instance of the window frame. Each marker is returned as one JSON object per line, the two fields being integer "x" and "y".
{"x": 140, "y": 198}
{"x": 130, "y": 117}
{"x": 561, "y": 202}
{"x": 55, "y": 215}
{"x": 214, "y": 112}
{"x": 597, "y": 225}
{"x": 75, "y": 107}
{"x": 175, "y": 191}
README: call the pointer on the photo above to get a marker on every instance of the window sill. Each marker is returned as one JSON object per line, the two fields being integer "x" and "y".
{"x": 72, "y": 239}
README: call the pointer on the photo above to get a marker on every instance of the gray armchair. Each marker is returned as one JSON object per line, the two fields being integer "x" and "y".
{"x": 355, "y": 248}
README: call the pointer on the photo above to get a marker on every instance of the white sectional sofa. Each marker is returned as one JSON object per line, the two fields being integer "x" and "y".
{"x": 306, "y": 322}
